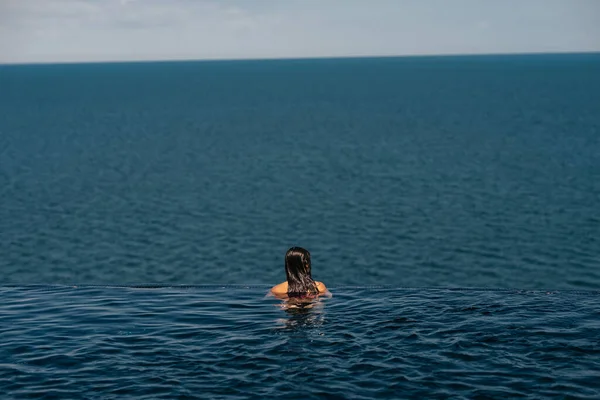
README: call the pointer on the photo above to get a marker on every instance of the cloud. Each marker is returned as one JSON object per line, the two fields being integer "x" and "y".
{"x": 93, "y": 30}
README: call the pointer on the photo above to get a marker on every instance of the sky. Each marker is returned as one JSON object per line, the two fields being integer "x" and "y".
{"x": 34, "y": 31}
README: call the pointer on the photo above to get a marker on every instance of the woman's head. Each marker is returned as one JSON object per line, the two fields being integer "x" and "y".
{"x": 298, "y": 273}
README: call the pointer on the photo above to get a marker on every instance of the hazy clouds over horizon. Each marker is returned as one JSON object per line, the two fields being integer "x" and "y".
{"x": 110, "y": 30}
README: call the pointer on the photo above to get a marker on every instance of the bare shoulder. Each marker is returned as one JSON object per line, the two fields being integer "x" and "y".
{"x": 280, "y": 289}
{"x": 321, "y": 286}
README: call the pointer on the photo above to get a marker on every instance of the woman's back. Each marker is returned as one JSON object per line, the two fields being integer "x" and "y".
{"x": 299, "y": 282}
{"x": 282, "y": 289}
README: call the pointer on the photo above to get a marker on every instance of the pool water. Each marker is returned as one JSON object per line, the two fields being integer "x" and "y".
{"x": 233, "y": 342}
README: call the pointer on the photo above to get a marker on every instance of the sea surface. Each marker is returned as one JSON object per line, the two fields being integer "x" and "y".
{"x": 425, "y": 171}
{"x": 451, "y": 205}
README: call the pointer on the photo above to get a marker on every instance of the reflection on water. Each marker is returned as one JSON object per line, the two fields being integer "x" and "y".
{"x": 302, "y": 313}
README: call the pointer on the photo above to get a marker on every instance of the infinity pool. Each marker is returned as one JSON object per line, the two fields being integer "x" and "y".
{"x": 232, "y": 342}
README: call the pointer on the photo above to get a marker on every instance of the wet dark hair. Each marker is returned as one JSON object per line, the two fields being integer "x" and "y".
{"x": 297, "y": 271}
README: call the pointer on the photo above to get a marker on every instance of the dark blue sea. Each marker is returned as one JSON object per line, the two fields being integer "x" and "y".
{"x": 451, "y": 205}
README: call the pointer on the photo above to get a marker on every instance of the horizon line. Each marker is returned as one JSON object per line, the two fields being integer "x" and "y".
{"x": 300, "y": 58}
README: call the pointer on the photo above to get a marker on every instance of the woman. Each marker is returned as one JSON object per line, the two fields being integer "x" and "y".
{"x": 299, "y": 283}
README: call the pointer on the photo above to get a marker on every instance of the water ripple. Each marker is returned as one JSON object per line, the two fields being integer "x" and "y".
{"x": 452, "y": 172}
{"x": 210, "y": 341}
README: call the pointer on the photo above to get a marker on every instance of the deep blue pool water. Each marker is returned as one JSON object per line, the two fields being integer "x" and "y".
{"x": 434, "y": 171}
{"x": 231, "y": 342}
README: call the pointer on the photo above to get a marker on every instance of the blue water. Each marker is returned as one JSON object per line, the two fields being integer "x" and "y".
{"x": 425, "y": 172}
{"x": 211, "y": 342}
{"x": 453, "y": 171}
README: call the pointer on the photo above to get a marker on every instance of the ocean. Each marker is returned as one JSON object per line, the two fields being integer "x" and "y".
{"x": 451, "y": 204}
